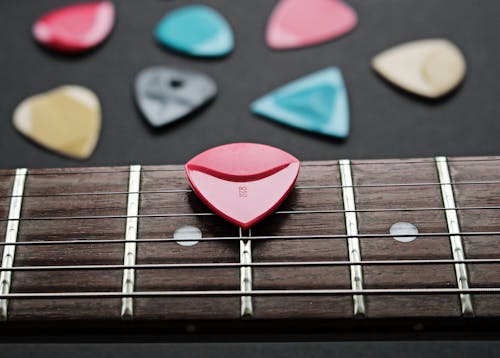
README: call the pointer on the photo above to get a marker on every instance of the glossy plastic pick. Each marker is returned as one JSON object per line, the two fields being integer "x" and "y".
{"x": 429, "y": 68}
{"x": 66, "y": 120}
{"x": 195, "y": 30}
{"x": 75, "y": 28}
{"x": 317, "y": 103}
{"x": 300, "y": 23}
{"x": 165, "y": 94}
{"x": 243, "y": 182}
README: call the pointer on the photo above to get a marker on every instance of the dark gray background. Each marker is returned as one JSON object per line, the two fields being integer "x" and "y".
{"x": 385, "y": 122}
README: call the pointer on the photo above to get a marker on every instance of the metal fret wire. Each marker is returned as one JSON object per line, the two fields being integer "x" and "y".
{"x": 129, "y": 255}
{"x": 351, "y": 225}
{"x": 246, "y": 283}
{"x": 487, "y": 290}
{"x": 9, "y": 252}
{"x": 454, "y": 228}
{"x": 305, "y": 164}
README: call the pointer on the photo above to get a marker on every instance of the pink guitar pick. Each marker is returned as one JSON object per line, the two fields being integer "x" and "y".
{"x": 75, "y": 28}
{"x": 243, "y": 182}
{"x": 300, "y": 23}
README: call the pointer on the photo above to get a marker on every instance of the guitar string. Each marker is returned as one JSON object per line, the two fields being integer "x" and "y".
{"x": 361, "y": 162}
{"x": 238, "y": 293}
{"x": 255, "y": 264}
{"x": 279, "y": 212}
{"x": 253, "y": 238}
{"x": 304, "y": 187}
{"x": 226, "y": 265}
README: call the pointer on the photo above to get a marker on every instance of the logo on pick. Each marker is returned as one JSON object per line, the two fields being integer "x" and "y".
{"x": 243, "y": 182}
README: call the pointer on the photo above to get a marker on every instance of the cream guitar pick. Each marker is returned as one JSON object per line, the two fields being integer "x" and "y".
{"x": 429, "y": 68}
{"x": 66, "y": 120}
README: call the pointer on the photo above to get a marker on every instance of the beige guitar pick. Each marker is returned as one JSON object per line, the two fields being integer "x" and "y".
{"x": 66, "y": 120}
{"x": 429, "y": 68}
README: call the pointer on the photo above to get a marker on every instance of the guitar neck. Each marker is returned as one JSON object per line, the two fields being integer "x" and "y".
{"x": 106, "y": 244}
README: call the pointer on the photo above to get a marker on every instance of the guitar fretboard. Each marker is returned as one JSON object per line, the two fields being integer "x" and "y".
{"x": 107, "y": 244}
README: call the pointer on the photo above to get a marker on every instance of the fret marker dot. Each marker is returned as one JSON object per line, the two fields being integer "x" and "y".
{"x": 187, "y": 235}
{"x": 403, "y": 228}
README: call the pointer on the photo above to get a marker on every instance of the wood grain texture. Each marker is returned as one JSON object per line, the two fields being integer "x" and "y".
{"x": 41, "y": 182}
{"x": 479, "y": 195}
{"x": 299, "y": 250}
{"x": 203, "y": 252}
{"x": 165, "y": 193}
{"x": 432, "y": 221}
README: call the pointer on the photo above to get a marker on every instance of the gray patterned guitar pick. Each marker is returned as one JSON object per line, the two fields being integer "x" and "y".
{"x": 165, "y": 94}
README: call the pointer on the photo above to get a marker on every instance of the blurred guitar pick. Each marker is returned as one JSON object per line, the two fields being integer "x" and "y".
{"x": 316, "y": 103}
{"x": 75, "y": 28}
{"x": 300, "y": 23}
{"x": 195, "y": 30}
{"x": 429, "y": 68}
{"x": 165, "y": 94}
{"x": 66, "y": 120}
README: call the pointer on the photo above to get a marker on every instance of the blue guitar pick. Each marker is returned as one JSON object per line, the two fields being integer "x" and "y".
{"x": 317, "y": 103}
{"x": 196, "y": 30}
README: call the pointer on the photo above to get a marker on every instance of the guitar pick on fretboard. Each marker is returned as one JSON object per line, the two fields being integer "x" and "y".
{"x": 105, "y": 244}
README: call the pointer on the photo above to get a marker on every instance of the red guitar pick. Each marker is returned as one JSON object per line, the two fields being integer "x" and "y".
{"x": 75, "y": 28}
{"x": 299, "y": 23}
{"x": 243, "y": 182}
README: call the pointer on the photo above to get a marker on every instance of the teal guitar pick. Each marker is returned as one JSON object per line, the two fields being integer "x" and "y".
{"x": 316, "y": 103}
{"x": 195, "y": 30}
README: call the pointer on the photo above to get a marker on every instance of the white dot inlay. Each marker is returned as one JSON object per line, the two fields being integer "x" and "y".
{"x": 187, "y": 235}
{"x": 403, "y": 228}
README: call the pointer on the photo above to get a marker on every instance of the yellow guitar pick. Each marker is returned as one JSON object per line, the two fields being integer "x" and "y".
{"x": 66, "y": 120}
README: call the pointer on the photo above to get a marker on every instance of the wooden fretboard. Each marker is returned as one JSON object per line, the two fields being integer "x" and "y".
{"x": 97, "y": 244}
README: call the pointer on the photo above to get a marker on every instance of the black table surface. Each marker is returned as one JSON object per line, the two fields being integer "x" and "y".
{"x": 385, "y": 122}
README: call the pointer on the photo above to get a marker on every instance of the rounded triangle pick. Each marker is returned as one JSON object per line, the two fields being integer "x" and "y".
{"x": 165, "y": 94}
{"x": 195, "y": 30}
{"x": 75, "y": 28}
{"x": 300, "y": 23}
{"x": 243, "y": 182}
{"x": 430, "y": 68}
{"x": 66, "y": 120}
{"x": 316, "y": 103}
